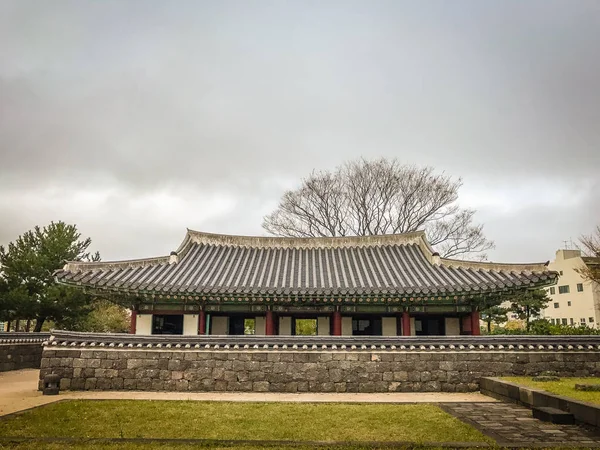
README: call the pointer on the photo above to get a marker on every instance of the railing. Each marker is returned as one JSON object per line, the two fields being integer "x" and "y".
{"x": 22, "y": 337}
{"x": 357, "y": 343}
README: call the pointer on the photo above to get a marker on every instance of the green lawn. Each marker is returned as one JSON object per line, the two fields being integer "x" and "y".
{"x": 565, "y": 387}
{"x": 240, "y": 421}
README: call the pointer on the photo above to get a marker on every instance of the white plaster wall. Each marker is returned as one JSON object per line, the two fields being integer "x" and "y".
{"x": 220, "y": 325}
{"x": 452, "y": 326}
{"x": 412, "y": 327}
{"x": 260, "y": 325}
{"x": 143, "y": 324}
{"x": 285, "y": 326}
{"x": 346, "y": 326}
{"x": 323, "y": 326}
{"x": 190, "y": 324}
{"x": 388, "y": 326}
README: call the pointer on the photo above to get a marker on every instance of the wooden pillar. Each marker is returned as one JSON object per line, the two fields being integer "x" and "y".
{"x": 405, "y": 324}
{"x": 475, "y": 330}
{"x": 202, "y": 323}
{"x": 269, "y": 324}
{"x": 133, "y": 325}
{"x": 337, "y": 323}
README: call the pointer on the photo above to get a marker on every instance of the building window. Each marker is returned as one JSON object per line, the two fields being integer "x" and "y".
{"x": 572, "y": 321}
{"x": 579, "y": 287}
{"x": 552, "y": 291}
{"x": 167, "y": 324}
{"x": 369, "y": 327}
{"x": 582, "y": 320}
{"x": 563, "y": 289}
{"x": 591, "y": 320}
{"x": 556, "y": 305}
{"x": 569, "y": 303}
{"x": 564, "y": 321}
{"x": 304, "y": 327}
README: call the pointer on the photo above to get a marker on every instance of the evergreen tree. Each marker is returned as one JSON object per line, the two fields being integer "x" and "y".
{"x": 494, "y": 314}
{"x": 529, "y": 304}
{"x": 27, "y": 286}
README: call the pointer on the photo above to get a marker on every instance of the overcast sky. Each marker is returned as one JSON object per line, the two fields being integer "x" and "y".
{"x": 137, "y": 119}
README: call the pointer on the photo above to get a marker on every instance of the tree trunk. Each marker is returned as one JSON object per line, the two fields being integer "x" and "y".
{"x": 527, "y": 316}
{"x": 17, "y": 325}
{"x": 38, "y": 324}
{"x": 8, "y": 325}
{"x": 28, "y": 326}
{"x": 489, "y": 326}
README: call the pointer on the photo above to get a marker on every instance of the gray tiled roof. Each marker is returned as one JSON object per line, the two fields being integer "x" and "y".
{"x": 394, "y": 265}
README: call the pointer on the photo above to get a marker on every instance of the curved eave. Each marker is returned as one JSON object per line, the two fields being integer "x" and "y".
{"x": 382, "y": 295}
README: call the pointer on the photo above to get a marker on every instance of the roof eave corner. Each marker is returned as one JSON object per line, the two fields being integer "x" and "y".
{"x": 187, "y": 240}
{"x": 432, "y": 256}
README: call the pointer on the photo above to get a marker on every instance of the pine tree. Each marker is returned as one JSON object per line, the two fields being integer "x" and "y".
{"x": 529, "y": 304}
{"x": 27, "y": 286}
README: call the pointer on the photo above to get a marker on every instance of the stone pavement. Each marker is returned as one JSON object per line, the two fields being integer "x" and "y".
{"x": 18, "y": 391}
{"x": 510, "y": 424}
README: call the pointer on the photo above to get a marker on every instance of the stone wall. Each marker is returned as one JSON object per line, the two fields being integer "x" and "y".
{"x": 21, "y": 350}
{"x": 304, "y": 368}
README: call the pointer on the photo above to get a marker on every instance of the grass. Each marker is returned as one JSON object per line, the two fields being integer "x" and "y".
{"x": 127, "y": 446}
{"x": 565, "y": 387}
{"x": 240, "y": 421}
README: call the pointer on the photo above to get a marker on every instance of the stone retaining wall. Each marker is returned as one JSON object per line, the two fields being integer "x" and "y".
{"x": 256, "y": 370}
{"x": 534, "y": 398}
{"x": 21, "y": 350}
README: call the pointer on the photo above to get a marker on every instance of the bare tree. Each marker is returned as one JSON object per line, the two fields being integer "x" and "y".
{"x": 591, "y": 250}
{"x": 380, "y": 197}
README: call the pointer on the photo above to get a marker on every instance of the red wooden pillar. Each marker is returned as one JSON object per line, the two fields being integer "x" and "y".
{"x": 269, "y": 325}
{"x": 337, "y": 323}
{"x": 405, "y": 324}
{"x": 202, "y": 323}
{"x": 133, "y": 324}
{"x": 475, "y": 330}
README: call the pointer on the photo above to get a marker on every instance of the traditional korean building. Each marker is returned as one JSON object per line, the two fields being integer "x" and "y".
{"x": 373, "y": 285}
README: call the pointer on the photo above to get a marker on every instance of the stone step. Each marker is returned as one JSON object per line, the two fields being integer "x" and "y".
{"x": 553, "y": 415}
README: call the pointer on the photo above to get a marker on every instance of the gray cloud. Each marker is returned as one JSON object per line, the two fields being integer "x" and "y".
{"x": 135, "y": 119}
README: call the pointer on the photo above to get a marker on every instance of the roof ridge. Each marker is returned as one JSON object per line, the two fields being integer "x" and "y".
{"x": 72, "y": 266}
{"x": 489, "y": 265}
{"x": 200, "y": 237}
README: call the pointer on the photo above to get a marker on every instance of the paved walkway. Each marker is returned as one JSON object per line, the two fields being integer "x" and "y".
{"x": 18, "y": 391}
{"x": 510, "y": 424}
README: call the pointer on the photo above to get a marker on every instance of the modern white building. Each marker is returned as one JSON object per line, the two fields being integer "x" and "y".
{"x": 574, "y": 300}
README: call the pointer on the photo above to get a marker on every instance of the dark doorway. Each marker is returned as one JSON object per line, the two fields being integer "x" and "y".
{"x": 239, "y": 325}
{"x": 366, "y": 326}
{"x": 167, "y": 324}
{"x": 430, "y": 326}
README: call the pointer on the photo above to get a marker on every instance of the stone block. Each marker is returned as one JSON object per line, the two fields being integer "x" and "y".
{"x": 260, "y": 386}
{"x": 116, "y": 383}
{"x": 90, "y": 384}
{"x": 340, "y": 387}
